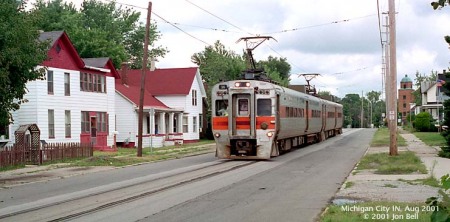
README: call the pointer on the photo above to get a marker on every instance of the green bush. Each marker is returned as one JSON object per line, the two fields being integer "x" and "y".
{"x": 424, "y": 122}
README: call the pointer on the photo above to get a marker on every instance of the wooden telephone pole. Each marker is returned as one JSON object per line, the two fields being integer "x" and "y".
{"x": 144, "y": 70}
{"x": 392, "y": 81}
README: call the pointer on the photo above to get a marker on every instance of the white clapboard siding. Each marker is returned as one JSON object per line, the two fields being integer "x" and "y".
{"x": 126, "y": 119}
{"x": 36, "y": 110}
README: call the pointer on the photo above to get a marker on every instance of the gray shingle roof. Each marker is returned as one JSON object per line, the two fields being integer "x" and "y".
{"x": 96, "y": 62}
{"x": 52, "y": 36}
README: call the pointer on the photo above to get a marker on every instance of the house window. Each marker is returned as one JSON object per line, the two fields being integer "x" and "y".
{"x": 194, "y": 97}
{"x": 50, "y": 82}
{"x": 85, "y": 123}
{"x": 194, "y": 120}
{"x": 68, "y": 122}
{"x": 404, "y": 105}
{"x": 102, "y": 123}
{"x": 404, "y": 97}
{"x": 51, "y": 124}
{"x": 67, "y": 84}
{"x": 185, "y": 124}
{"x": 58, "y": 48}
{"x": 92, "y": 83}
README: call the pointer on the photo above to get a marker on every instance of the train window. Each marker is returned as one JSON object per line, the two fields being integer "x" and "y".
{"x": 264, "y": 107}
{"x": 243, "y": 107}
{"x": 221, "y": 108}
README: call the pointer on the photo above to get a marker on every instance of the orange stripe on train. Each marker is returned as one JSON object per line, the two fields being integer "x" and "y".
{"x": 243, "y": 123}
{"x": 220, "y": 123}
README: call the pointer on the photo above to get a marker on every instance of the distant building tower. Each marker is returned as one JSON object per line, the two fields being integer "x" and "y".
{"x": 405, "y": 97}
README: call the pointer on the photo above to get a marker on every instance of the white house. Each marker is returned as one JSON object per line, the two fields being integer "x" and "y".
{"x": 172, "y": 108}
{"x": 75, "y": 102}
{"x": 432, "y": 99}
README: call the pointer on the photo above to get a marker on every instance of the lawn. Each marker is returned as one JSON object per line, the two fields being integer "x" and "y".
{"x": 404, "y": 163}
{"x": 431, "y": 138}
{"x": 381, "y": 138}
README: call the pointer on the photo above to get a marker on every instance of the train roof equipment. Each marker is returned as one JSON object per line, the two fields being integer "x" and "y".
{"x": 252, "y": 72}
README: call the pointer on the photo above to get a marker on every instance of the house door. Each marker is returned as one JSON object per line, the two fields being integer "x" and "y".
{"x": 94, "y": 130}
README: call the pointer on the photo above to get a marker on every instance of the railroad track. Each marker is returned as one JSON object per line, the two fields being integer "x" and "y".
{"x": 86, "y": 202}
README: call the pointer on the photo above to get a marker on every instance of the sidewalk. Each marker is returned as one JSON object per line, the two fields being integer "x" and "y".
{"x": 367, "y": 186}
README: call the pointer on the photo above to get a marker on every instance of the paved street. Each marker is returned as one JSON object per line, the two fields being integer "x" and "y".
{"x": 293, "y": 187}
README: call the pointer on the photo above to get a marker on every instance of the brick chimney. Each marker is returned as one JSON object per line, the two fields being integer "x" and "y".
{"x": 124, "y": 73}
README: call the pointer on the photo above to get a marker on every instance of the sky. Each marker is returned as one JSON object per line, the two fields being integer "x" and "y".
{"x": 340, "y": 40}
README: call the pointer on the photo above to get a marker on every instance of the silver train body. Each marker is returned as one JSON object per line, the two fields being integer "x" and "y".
{"x": 254, "y": 119}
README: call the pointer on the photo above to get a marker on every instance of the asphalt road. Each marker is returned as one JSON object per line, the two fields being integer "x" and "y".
{"x": 292, "y": 187}
{"x": 297, "y": 190}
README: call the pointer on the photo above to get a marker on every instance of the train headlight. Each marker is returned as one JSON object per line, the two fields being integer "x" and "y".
{"x": 217, "y": 135}
{"x": 264, "y": 125}
{"x": 269, "y": 134}
{"x": 242, "y": 84}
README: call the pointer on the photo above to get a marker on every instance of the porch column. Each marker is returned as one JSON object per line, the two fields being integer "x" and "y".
{"x": 180, "y": 123}
{"x": 162, "y": 123}
{"x": 171, "y": 115}
{"x": 152, "y": 122}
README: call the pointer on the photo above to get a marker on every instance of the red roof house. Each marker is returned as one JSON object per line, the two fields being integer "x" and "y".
{"x": 173, "y": 104}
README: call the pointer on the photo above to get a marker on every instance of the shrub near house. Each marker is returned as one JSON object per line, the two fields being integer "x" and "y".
{"x": 424, "y": 122}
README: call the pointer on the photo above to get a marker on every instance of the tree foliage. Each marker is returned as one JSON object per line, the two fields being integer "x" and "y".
{"x": 20, "y": 53}
{"x": 100, "y": 29}
{"x": 219, "y": 64}
{"x": 278, "y": 65}
{"x": 424, "y": 122}
{"x": 440, "y": 4}
{"x": 352, "y": 110}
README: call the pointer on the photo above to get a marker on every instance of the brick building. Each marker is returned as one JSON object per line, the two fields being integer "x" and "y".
{"x": 405, "y": 97}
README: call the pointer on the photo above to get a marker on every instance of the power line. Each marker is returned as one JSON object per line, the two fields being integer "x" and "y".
{"x": 318, "y": 25}
{"x": 379, "y": 22}
{"x": 218, "y": 17}
{"x": 180, "y": 29}
{"x": 163, "y": 19}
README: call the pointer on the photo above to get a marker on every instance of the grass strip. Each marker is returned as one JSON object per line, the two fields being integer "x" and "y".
{"x": 404, "y": 163}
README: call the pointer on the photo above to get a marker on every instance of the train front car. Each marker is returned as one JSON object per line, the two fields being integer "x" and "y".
{"x": 243, "y": 119}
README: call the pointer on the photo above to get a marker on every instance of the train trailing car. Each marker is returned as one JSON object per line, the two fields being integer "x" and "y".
{"x": 254, "y": 119}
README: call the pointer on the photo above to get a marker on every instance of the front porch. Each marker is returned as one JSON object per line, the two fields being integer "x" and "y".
{"x": 162, "y": 127}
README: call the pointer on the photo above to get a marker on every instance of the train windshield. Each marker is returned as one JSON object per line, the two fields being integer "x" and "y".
{"x": 221, "y": 108}
{"x": 264, "y": 107}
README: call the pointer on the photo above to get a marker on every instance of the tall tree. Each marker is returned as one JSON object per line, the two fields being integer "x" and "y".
{"x": 218, "y": 64}
{"x": 20, "y": 53}
{"x": 352, "y": 110}
{"x": 100, "y": 29}
{"x": 279, "y": 65}
{"x": 378, "y": 107}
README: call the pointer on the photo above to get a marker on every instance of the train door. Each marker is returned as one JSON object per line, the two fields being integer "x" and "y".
{"x": 242, "y": 115}
{"x": 307, "y": 116}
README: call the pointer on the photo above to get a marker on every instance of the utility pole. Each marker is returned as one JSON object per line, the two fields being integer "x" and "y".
{"x": 386, "y": 70}
{"x": 362, "y": 109}
{"x": 144, "y": 70}
{"x": 393, "y": 81}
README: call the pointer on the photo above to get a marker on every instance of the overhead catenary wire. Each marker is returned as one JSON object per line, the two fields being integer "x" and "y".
{"x": 177, "y": 25}
{"x": 212, "y": 14}
{"x": 163, "y": 19}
